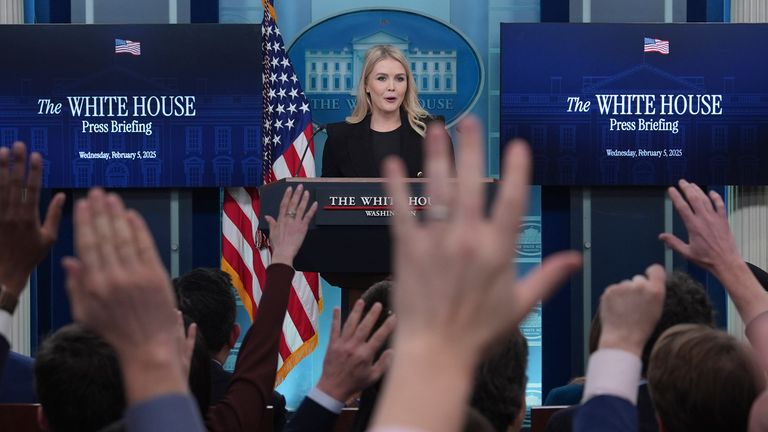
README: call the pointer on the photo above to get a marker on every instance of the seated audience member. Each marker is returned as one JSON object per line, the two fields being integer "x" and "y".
{"x": 457, "y": 294}
{"x": 686, "y": 302}
{"x": 78, "y": 380}
{"x": 199, "y": 364}
{"x": 16, "y": 381}
{"x": 499, "y": 388}
{"x": 352, "y": 363}
{"x": 629, "y": 312}
{"x": 570, "y": 394}
{"x": 378, "y": 292}
{"x": 476, "y": 422}
{"x": 80, "y": 385}
{"x": 206, "y": 295}
{"x": 251, "y": 387}
{"x": 711, "y": 245}
{"x": 196, "y": 364}
{"x": 702, "y": 379}
{"x": 118, "y": 273}
{"x": 24, "y": 242}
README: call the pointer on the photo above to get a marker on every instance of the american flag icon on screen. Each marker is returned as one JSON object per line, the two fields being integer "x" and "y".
{"x": 656, "y": 45}
{"x": 126, "y": 46}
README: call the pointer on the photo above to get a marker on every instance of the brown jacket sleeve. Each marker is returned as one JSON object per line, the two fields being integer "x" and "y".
{"x": 250, "y": 389}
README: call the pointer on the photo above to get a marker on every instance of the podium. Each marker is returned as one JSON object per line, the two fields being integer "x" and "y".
{"x": 348, "y": 239}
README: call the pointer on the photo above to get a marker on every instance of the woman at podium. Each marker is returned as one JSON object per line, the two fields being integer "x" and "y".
{"x": 388, "y": 119}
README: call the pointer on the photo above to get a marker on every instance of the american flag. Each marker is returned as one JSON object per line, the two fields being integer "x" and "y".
{"x": 656, "y": 45}
{"x": 286, "y": 131}
{"x": 126, "y": 46}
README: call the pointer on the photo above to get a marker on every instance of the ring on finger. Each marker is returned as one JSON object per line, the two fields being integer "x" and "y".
{"x": 291, "y": 213}
{"x": 438, "y": 212}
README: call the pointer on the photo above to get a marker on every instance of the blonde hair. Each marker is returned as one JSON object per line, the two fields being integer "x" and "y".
{"x": 413, "y": 109}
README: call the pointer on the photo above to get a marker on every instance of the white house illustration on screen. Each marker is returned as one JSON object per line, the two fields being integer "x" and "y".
{"x": 329, "y": 71}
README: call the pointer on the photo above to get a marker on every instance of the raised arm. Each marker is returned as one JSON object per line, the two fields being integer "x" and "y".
{"x": 119, "y": 289}
{"x": 350, "y": 366}
{"x": 711, "y": 245}
{"x": 250, "y": 388}
{"x": 24, "y": 241}
{"x": 456, "y": 288}
{"x": 629, "y": 312}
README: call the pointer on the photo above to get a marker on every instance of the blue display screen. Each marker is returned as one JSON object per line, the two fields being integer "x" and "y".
{"x": 135, "y": 105}
{"x": 637, "y": 104}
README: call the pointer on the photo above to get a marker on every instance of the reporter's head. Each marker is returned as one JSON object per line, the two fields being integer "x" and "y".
{"x": 78, "y": 381}
{"x": 701, "y": 378}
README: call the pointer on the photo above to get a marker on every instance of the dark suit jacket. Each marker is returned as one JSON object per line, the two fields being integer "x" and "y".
{"x": 311, "y": 417}
{"x": 16, "y": 380}
{"x": 606, "y": 414}
{"x": 569, "y": 394}
{"x": 219, "y": 381}
{"x": 563, "y": 420}
{"x": 5, "y": 347}
{"x": 347, "y": 150}
{"x": 251, "y": 388}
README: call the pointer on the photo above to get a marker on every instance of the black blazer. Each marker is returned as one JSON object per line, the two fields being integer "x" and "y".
{"x": 311, "y": 417}
{"x": 346, "y": 154}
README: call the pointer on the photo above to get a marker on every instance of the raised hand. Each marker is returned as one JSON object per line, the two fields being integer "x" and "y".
{"x": 349, "y": 364}
{"x": 24, "y": 241}
{"x": 119, "y": 288}
{"x": 629, "y": 310}
{"x": 711, "y": 245}
{"x": 710, "y": 241}
{"x": 455, "y": 276}
{"x": 286, "y": 234}
{"x": 456, "y": 289}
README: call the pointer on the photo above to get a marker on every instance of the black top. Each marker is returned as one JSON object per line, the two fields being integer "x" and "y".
{"x": 385, "y": 144}
{"x": 349, "y": 149}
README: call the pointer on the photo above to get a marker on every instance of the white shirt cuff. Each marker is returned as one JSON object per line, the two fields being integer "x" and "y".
{"x": 613, "y": 372}
{"x": 5, "y": 324}
{"x": 326, "y": 401}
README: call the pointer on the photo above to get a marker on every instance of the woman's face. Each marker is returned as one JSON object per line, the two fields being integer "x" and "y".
{"x": 386, "y": 85}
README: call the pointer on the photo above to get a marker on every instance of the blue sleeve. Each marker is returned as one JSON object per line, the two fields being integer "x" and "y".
{"x": 5, "y": 347}
{"x": 569, "y": 394}
{"x": 605, "y": 414}
{"x": 311, "y": 417}
{"x": 169, "y": 413}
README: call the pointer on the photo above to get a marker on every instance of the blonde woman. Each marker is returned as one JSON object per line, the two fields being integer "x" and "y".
{"x": 388, "y": 120}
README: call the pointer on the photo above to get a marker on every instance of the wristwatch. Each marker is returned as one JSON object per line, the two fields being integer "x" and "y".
{"x": 8, "y": 300}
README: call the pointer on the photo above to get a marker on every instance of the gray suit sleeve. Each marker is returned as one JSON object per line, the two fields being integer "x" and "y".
{"x": 168, "y": 413}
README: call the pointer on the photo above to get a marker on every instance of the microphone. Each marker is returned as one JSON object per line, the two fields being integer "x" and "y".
{"x": 320, "y": 128}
